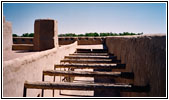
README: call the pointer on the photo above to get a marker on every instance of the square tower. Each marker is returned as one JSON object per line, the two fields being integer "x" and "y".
{"x": 45, "y": 34}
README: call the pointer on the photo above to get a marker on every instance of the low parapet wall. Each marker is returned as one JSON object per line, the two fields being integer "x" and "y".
{"x": 81, "y": 40}
{"x": 23, "y": 43}
{"x": 17, "y": 71}
{"x": 22, "y": 40}
{"x": 64, "y": 40}
{"x": 146, "y": 57}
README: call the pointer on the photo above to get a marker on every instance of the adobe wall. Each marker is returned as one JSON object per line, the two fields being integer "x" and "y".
{"x": 17, "y": 71}
{"x": 46, "y": 34}
{"x": 146, "y": 57}
{"x": 7, "y": 35}
{"x": 64, "y": 40}
{"x": 22, "y": 40}
{"x": 81, "y": 40}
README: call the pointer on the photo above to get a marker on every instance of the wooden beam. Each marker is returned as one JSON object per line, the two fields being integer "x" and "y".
{"x": 91, "y": 66}
{"x": 91, "y": 57}
{"x": 103, "y": 61}
{"x": 100, "y": 50}
{"x": 128, "y": 75}
{"x": 87, "y": 60}
{"x": 75, "y": 86}
{"x": 83, "y": 50}
{"x": 91, "y": 54}
{"x": 87, "y": 86}
{"x": 91, "y": 50}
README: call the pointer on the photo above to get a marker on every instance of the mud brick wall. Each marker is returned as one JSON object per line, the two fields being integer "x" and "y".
{"x": 90, "y": 40}
{"x": 7, "y": 36}
{"x": 45, "y": 36}
{"x": 29, "y": 68}
{"x": 146, "y": 57}
{"x": 22, "y": 40}
{"x": 81, "y": 40}
{"x": 64, "y": 40}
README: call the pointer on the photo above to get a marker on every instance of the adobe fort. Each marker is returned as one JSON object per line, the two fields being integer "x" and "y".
{"x": 48, "y": 66}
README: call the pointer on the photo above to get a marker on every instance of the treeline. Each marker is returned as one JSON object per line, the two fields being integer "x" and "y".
{"x": 95, "y": 34}
{"x": 98, "y": 34}
{"x": 24, "y": 35}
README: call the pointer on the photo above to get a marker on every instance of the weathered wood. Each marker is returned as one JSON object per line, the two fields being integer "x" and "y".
{"x": 103, "y": 61}
{"x": 91, "y": 57}
{"x": 87, "y": 86}
{"x": 91, "y": 66}
{"x": 75, "y": 86}
{"x": 91, "y": 54}
{"x": 100, "y": 50}
{"x": 83, "y": 50}
{"x": 87, "y": 60}
{"x": 91, "y": 50}
{"x": 81, "y": 86}
{"x": 24, "y": 91}
{"x": 89, "y": 74}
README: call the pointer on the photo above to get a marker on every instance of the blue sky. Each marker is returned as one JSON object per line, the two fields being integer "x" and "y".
{"x": 89, "y": 17}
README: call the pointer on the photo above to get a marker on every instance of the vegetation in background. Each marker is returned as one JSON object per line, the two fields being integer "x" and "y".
{"x": 28, "y": 35}
{"x": 14, "y": 35}
{"x": 94, "y": 34}
{"x": 24, "y": 35}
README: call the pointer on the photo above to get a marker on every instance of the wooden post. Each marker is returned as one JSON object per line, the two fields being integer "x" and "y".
{"x": 54, "y": 81}
{"x": 43, "y": 79}
{"x": 24, "y": 91}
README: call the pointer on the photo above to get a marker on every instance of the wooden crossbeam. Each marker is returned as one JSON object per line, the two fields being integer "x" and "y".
{"x": 91, "y": 66}
{"x": 100, "y": 50}
{"x": 83, "y": 50}
{"x": 73, "y": 86}
{"x": 86, "y": 60}
{"x": 91, "y": 54}
{"x": 91, "y": 57}
{"x": 128, "y": 75}
{"x": 103, "y": 61}
{"x": 91, "y": 50}
{"x": 82, "y": 86}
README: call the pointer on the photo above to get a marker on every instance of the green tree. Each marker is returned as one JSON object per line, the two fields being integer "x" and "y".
{"x": 99, "y": 34}
{"x": 31, "y": 35}
{"x": 92, "y": 34}
{"x": 25, "y": 35}
{"x": 80, "y": 35}
{"x": 14, "y": 35}
{"x": 28, "y": 35}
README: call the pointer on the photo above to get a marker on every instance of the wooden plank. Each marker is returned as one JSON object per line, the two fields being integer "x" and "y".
{"x": 87, "y": 60}
{"x": 83, "y": 50}
{"x": 91, "y": 57}
{"x": 81, "y": 86}
{"x": 103, "y": 61}
{"x": 100, "y": 50}
{"x": 75, "y": 86}
{"x": 91, "y": 66}
{"x": 128, "y": 75}
{"x": 91, "y": 50}
{"x": 91, "y": 54}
